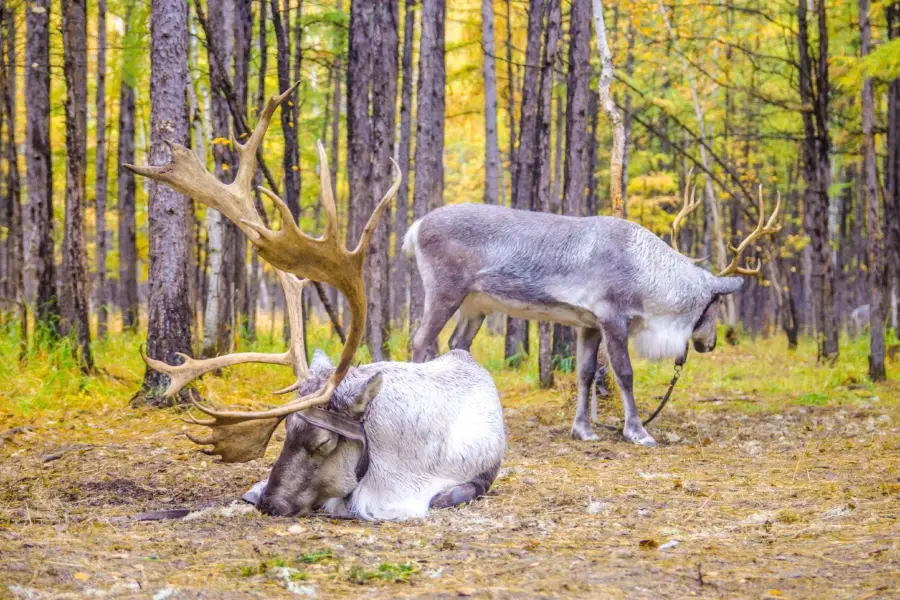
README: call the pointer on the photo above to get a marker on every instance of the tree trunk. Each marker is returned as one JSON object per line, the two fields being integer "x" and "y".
{"x": 291, "y": 195}
{"x": 612, "y": 113}
{"x": 384, "y": 109}
{"x": 218, "y": 317}
{"x": 128, "y": 285}
{"x": 511, "y": 103}
{"x": 359, "y": 130}
{"x": 577, "y": 134}
{"x": 873, "y": 225}
{"x": 40, "y": 267}
{"x": 243, "y": 26}
{"x": 516, "y": 342}
{"x": 429, "y": 175}
{"x": 489, "y": 71}
{"x": 542, "y": 166}
{"x": 14, "y": 237}
{"x": 817, "y": 173}
{"x": 400, "y": 274}
{"x": 102, "y": 308}
{"x": 257, "y": 282}
{"x": 73, "y": 294}
{"x": 577, "y": 110}
{"x": 590, "y": 204}
{"x": 892, "y": 171}
{"x": 169, "y": 329}
{"x": 629, "y": 117}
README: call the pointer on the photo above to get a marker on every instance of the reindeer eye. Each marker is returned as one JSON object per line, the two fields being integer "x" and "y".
{"x": 324, "y": 445}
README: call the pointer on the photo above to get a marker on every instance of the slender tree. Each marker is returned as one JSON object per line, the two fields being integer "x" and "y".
{"x": 429, "y": 168}
{"x": 612, "y": 113}
{"x": 169, "y": 329}
{"x": 73, "y": 293}
{"x": 489, "y": 72}
{"x": 400, "y": 273}
{"x": 256, "y": 280}
{"x": 13, "y": 217}
{"x": 40, "y": 269}
{"x": 814, "y": 93}
{"x": 516, "y": 342}
{"x": 873, "y": 218}
{"x": 542, "y": 190}
{"x": 575, "y": 180}
{"x": 892, "y": 169}
{"x": 218, "y": 317}
{"x": 289, "y": 163}
{"x": 128, "y": 285}
{"x": 510, "y": 102}
{"x": 243, "y": 25}
{"x": 102, "y": 308}
{"x": 359, "y": 126}
{"x": 383, "y": 109}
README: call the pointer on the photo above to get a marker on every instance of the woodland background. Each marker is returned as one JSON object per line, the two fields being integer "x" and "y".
{"x": 478, "y": 101}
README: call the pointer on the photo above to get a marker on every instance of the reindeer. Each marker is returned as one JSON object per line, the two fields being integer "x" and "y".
{"x": 608, "y": 277}
{"x": 383, "y": 441}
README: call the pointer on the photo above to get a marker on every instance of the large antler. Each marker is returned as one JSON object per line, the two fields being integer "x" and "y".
{"x": 689, "y": 205}
{"x": 763, "y": 228}
{"x": 323, "y": 259}
{"x": 294, "y": 357}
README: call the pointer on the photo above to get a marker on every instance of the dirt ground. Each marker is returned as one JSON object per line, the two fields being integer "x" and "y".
{"x": 733, "y": 504}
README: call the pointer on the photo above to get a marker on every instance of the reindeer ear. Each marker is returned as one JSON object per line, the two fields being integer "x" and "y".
{"x": 367, "y": 391}
{"x": 723, "y": 286}
{"x": 321, "y": 365}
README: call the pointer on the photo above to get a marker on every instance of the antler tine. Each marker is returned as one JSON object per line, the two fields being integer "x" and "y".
{"x": 763, "y": 228}
{"x": 247, "y": 152}
{"x": 331, "y": 220}
{"x": 689, "y": 205}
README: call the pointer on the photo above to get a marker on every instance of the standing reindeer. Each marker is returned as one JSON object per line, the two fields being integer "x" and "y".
{"x": 383, "y": 441}
{"x": 608, "y": 277}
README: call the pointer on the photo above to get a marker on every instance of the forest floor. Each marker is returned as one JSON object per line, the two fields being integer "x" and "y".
{"x": 773, "y": 478}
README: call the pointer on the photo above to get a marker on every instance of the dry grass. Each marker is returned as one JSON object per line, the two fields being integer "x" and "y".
{"x": 775, "y": 478}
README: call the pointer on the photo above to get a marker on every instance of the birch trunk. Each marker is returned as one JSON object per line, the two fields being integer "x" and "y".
{"x": 612, "y": 113}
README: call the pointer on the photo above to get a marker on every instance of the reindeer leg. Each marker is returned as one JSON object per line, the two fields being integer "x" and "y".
{"x": 466, "y": 329}
{"x": 586, "y": 355}
{"x": 465, "y": 492}
{"x": 438, "y": 310}
{"x": 616, "y": 336}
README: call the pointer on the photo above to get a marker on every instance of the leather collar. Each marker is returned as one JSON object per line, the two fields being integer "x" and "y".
{"x": 344, "y": 426}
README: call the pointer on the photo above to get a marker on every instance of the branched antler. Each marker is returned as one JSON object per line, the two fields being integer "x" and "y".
{"x": 288, "y": 249}
{"x": 689, "y": 205}
{"x": 763, "y": 228}
{"x": 192, "y": 368}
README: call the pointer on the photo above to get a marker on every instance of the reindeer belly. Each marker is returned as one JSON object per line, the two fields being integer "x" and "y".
{"x": 556, "y": 312}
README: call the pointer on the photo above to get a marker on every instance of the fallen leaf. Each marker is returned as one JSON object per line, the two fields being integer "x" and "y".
{"x": 81, "y": 576}
{"x": 648, "y": 544}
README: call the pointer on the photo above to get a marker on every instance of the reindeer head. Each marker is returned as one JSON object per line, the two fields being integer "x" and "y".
{"x": 325, "y": 451}
{"x": 318, "y": 439}
{"x": 704, "y": 335}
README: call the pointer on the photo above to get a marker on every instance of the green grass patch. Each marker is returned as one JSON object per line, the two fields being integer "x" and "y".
{"x": 386, "y": 572}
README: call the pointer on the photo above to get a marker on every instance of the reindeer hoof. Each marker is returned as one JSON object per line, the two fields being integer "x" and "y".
{"x": 583, "y": 432}
{"x": 638, "y": 435}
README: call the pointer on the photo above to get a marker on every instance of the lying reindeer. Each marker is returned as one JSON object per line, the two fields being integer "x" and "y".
{"x": 383, "y": 441}
{"x": 608, "y": 277}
